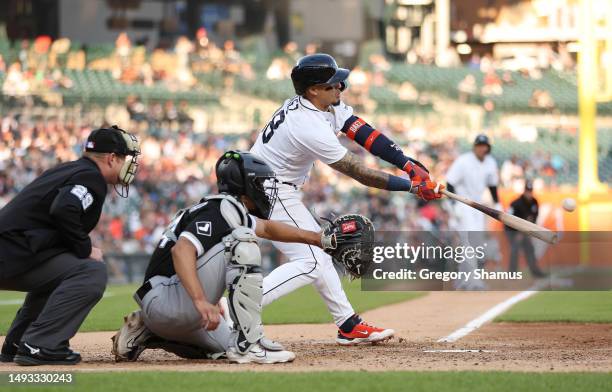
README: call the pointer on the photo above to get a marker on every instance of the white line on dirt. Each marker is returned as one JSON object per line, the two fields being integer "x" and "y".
{"x": 460, "y": 351}
{"x": 486, "y": 317}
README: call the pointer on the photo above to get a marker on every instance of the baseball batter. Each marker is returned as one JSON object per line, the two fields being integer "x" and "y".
{"x": 470, "y": 175}
{"x": 301, "y": 132}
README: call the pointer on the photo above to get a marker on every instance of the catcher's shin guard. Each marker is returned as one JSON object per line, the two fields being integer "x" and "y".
{"x": 245, "y": 286}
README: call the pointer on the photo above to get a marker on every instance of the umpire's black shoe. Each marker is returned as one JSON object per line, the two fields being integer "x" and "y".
{"x": 28, "y": 355}
{"x": 9, "y": 349}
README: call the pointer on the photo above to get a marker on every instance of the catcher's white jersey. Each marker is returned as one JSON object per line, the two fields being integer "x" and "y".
{"x": 300, "y": 134}
{"x": 297, "y": 135}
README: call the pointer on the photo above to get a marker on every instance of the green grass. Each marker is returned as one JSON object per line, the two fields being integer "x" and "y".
{"x": 306, "y": 306}
{"x": 335, "y": 381}
{"x": 301, "y": 306}
{"x": 563, "y": 306}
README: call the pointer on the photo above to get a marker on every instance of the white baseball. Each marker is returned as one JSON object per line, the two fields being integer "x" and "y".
{"x": 569, "y": 204}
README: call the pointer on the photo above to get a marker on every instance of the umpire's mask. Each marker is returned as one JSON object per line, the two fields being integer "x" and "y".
{"x": 243, "y": 173}
{"x": 116, "y": 140}
{"x": 130, "y": 166}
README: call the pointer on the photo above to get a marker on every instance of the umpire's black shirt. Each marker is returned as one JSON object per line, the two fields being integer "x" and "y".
{"x": 524, "y": 209}
{"x": 54, "y": 214}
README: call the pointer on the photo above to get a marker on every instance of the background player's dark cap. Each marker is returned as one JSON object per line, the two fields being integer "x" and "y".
{"x": 482, "y": 139}
{"x": 108, "y": 140}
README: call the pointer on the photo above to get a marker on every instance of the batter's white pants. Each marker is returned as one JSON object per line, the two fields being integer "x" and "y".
{"x": 307, "y": 264}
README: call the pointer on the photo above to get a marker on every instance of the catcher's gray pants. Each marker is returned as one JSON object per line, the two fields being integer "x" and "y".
{"x": 61, "y": 293}
{"x": 169, "y": 311}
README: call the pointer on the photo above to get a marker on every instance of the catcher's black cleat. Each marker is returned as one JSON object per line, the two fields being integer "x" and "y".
{"x": 9, "y": 349}
{"x": 28, "y": 355}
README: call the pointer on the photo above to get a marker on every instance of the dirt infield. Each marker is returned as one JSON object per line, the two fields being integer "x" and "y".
{"x": 419, "y": 324}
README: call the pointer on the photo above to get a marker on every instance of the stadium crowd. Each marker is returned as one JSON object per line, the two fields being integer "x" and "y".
{"x": 177, "y": 168}
{"x": 177, "y": 162}
{"x": 40, "y": 67}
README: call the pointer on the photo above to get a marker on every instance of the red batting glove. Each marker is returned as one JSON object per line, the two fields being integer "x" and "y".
{"x": 416, "y": 171}
{"x": 427, "y": 190}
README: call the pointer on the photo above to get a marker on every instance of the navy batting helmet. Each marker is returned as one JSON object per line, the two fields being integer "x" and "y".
{"x": 243, "y": 173}
{"x": 319, "y": 68}
{"x": 482, "y": 139}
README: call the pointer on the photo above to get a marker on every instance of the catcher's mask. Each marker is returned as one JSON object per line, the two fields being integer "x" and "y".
{"x": 116, "y": 140}
{"x": 243, "y": 173}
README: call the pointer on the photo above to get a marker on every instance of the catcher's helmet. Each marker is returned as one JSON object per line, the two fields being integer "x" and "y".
{"x": 243, "y": 173}
{"x": 482, "y": 139}
{"x": 319, "y": 68}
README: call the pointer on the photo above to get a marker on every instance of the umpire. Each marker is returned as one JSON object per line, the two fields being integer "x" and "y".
{"x": 525, "y": 207}
{"x": 45, "y": 249}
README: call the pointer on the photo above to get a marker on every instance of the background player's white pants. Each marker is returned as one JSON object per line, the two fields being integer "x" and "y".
{"x": 471, "y": 225}
{"x": 307, "y": 264}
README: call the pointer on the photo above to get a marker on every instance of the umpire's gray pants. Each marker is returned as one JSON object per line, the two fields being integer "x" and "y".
{"x": 169, "y": 311}
{"x": 61, "y": 292}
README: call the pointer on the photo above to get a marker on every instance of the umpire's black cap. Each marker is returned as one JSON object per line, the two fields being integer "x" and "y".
{"x": 108, "y": 140}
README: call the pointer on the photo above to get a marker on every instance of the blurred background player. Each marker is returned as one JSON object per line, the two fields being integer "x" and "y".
{"x": 301, "y": 132}
{"x": 470, "y": 175}
{"x": 525, "y": 207}
{"x": 46, "y": 251}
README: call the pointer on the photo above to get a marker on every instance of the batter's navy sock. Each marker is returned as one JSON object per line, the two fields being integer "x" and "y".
{"x": 349, "y": 324}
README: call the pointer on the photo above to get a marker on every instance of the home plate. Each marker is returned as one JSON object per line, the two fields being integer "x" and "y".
{"x": 459, "y": 351}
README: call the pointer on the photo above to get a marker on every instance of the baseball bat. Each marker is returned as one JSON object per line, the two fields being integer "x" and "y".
{"x": 509, "y": 220}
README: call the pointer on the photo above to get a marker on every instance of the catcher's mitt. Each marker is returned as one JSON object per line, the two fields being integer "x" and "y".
{"x": 349, "y": 240}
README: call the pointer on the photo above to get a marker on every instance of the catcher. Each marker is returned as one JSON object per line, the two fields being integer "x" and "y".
{"x": 213, "y": 245}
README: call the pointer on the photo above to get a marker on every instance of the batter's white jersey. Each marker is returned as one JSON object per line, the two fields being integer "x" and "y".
{"x": 300, "y": 134}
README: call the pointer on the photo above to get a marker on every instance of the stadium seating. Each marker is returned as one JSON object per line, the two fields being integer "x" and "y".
{"x": 101, "y": 88}
{"x": 515, "y": 97}
{"x": 563, "y": 149}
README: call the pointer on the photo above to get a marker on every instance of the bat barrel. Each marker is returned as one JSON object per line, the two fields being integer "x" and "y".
{"x": 512, "y": 221}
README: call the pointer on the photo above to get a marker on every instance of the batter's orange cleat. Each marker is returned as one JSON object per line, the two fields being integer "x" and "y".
{"x": 364, "y": 333}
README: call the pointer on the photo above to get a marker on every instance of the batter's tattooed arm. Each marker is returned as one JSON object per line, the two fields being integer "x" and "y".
{"x": 353, "y": 167}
